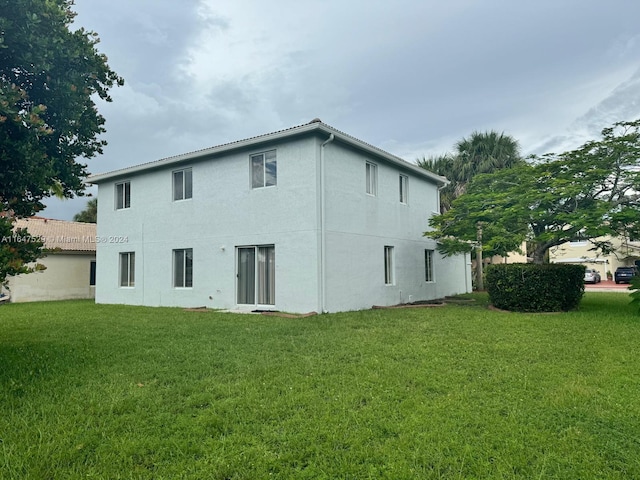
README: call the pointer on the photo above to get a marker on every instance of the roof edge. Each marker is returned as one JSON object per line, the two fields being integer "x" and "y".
{"x": 314, "y": 125}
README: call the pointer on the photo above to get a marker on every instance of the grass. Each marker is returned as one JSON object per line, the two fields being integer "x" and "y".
{"x": 110, "y": 392}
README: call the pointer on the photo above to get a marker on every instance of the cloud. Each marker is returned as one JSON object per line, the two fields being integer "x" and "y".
{"x": 411, "y": 77}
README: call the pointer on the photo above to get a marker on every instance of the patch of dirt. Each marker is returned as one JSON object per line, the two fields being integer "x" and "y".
{"x": 288, "y": 315}
{"x": 198, "y": 309}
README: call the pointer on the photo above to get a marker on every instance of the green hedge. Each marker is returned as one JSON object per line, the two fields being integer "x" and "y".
{"x": 528, "y": 287}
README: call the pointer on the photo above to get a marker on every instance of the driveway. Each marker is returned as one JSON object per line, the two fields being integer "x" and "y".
{"x": 607, "y": 286}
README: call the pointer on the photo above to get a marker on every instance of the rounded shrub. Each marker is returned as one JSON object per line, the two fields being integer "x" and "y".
{"x": 529, "y": 287}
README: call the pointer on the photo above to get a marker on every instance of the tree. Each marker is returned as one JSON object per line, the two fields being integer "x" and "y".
{"x": 585, "y": 193}
{"x": 479, "y": 153}
{"x": 443, "y": 165}
{"x": 89, "y": 214}
{"x": 49, "y": 78}
{"x": 17, "y": 249}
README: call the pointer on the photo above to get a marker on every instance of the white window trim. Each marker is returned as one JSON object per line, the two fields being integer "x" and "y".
{"x": 264, "y": 169}
{"x": 129, "y": 256}
{"x": 124, "y": 195}
{"x": 184, "y": 266}
{"x": 404, "y": 189}
{"x": 173, "y": 184}
{"x": 389, "y": 265}
{"x": 429, "y": 266}
{"x": 371, "y": 179}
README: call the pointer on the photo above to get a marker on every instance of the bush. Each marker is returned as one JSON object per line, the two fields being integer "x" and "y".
{"x": 528, "y": 287}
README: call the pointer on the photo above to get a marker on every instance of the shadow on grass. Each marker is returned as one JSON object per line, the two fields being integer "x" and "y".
{"x": 32, "y": 366}
{"x": 608, "y": 303}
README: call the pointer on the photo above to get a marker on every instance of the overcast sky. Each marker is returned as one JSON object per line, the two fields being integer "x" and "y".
{"x": 409, "y": 76}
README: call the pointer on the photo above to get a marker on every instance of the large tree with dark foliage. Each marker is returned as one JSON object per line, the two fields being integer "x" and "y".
{"x": 590, "y": 193}
{"x": 50, "y": 75}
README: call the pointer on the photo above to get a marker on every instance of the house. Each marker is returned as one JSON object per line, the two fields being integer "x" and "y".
{"x": 70, "y": 262}
{"x": 625, "y": 253}
{"x": 303, "y": 219}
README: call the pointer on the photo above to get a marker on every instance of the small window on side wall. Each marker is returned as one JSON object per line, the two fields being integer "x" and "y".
{"x": 123, "y": 195}
{"x": 428, "y": 265}
{"x": 182, "y": 184}
{"x": 389, "y": 277}
{"x": 127, "y": 269}
{"x": 371, "y": 177}
{"x": 264, "y": 169}
{"x": 183, "y": 268}
{"x": 404, "y": 189}
{"x": 92, "y": 273}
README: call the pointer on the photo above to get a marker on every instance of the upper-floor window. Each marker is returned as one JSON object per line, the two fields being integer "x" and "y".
{"x": 264, "y": 169}
{"x": 579, "y": 240}
{"x": 182, "y": 184}
{"x": 371, "y": 174}
{"x": 123, "y": 195}
{"x": 404, "y": 189}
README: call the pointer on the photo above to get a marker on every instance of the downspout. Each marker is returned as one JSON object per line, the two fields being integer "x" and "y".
{"x": 323, "y": 231}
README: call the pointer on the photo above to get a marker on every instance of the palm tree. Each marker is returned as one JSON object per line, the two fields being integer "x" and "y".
{"x": 479, "y": 153}
{"x": 485, "y": 153}
{"x": 89, "y": 214}
{"x": 442, "y": 165}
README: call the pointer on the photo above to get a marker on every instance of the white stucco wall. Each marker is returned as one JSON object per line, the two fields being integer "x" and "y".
{"x": 360, "y": 225}
{"x": 225, "y": 212}
{"x": 66, "y": 277}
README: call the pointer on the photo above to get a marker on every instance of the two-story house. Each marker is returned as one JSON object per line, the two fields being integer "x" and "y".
{"x": 299, "y": 220}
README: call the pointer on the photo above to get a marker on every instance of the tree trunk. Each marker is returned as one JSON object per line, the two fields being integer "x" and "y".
{"x": 539, "y": 254}
{"x": 479, "y": 263}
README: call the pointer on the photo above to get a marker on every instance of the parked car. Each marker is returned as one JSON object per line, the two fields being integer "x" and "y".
{"x": 625, "y": 274}
{"x": 592, "y": 276}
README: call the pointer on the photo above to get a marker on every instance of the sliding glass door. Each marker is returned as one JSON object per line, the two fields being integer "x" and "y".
{"x": 256, "y": 275}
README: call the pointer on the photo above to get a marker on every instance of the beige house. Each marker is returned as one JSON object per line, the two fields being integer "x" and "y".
{"x": 70, "y": 262}
{"x": 579, "y": 252}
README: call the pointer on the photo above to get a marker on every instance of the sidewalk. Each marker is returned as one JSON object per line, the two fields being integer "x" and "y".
{"x": 607, "y": 286}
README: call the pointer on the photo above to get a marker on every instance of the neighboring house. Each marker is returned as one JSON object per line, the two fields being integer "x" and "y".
{"x": 70, "y": 262}
{"x": 299, "y": 220}
{"x": 579, "y": 252}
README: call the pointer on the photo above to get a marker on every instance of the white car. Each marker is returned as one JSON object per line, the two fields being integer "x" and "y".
{"x": 591, "y": 276}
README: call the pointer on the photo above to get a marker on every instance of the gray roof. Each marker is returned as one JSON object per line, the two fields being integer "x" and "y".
{"x": 314, "y": 126}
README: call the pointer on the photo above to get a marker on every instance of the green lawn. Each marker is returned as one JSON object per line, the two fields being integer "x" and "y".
{"x": 108, "y": 392}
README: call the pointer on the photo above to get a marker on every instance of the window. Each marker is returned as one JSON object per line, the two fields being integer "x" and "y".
{"x": 263, "y": 169}
{"x": 92, "y": 274}
{"x": 372, "y": 178}
{"x": 428, "y": 265}
{"x": 579, "y": 240}
{"x": 182, "y": 184}
{"x": 404, "y": 188}
{"x": 388, "y": 266}
{"x": 183, "y": 268}
{"x": 123, "y": 195}
{"x": 127, "y": 269}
